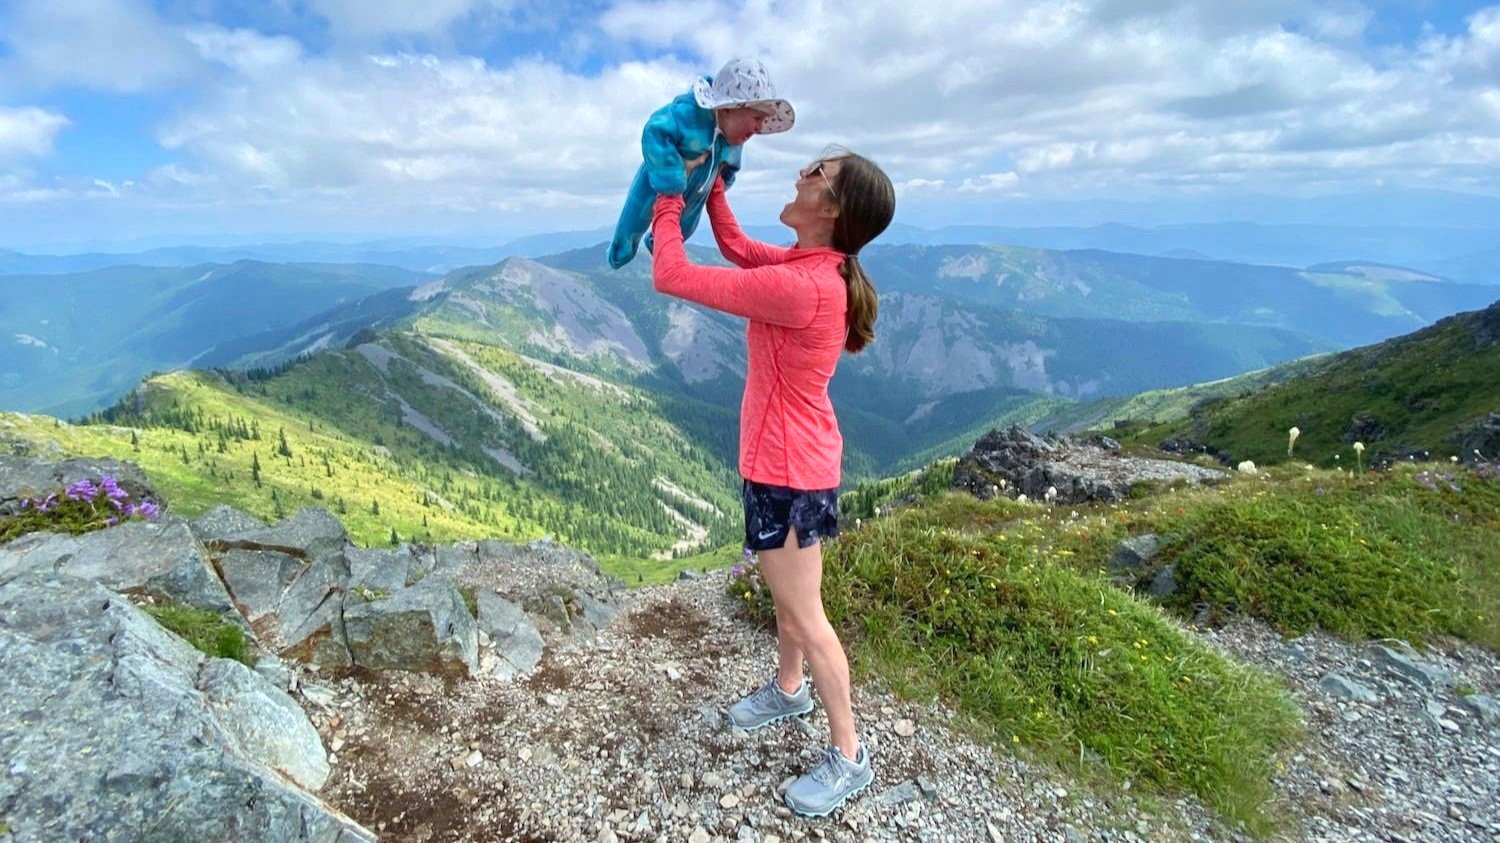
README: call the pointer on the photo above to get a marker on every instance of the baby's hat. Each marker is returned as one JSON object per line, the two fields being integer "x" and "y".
{"x": 746, "y": 83}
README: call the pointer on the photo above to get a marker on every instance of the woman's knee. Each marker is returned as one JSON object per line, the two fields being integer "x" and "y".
{"x": 807, "y": 629}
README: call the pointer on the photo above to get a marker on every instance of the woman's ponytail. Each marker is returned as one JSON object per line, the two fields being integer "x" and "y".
{"x": 864, "y": 305}
{"x": 867, "y": 202}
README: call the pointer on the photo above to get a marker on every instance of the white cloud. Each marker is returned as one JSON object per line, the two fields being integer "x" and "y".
{"x": 963, "y": 103}
{"x": 118, "y": 45}
{"x": 919, "y": 185}
{"x": 425, "y": 131}
{"x": 243, "y": 50}
{"x": 991, "y": 183}
{"x": 28, "y": 132}
{"x": 367, "y": 19}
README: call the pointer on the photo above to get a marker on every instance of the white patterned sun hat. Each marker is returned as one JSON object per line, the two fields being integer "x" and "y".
{"x": 744, "y": 83}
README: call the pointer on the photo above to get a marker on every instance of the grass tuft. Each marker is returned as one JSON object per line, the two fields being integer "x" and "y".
{"x": 205, "y": 630}
{"x": 1044, "y": 655}
{"x": 1408, "y": 554}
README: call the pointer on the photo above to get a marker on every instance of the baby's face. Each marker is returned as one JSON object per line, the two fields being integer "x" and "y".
{"x": 739, "y": 124}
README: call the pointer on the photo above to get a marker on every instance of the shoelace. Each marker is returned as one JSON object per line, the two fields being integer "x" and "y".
{"x": 765, "y": 696}
{"x": 827, "y": 772}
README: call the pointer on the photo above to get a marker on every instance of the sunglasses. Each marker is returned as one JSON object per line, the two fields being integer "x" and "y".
{"x": 817, "y": 167}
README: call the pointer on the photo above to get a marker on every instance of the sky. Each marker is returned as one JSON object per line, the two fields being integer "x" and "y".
{"x": 145, "y": 122}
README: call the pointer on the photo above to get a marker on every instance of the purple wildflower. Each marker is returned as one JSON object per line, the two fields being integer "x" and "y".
{"x": 25, "y": 503}
{"x": 148, "y": 510}
{"x": 111, "y": 488}
{"x": 47, "y": 503}
{"x": 111, "y": 521}
{"x": 83, "y": 490}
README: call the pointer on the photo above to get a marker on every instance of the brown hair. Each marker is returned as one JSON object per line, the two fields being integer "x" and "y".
{"x": 867, "y": 202}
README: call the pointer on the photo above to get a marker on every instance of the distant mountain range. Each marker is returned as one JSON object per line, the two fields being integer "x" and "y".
{"x": 1464, "y": 253}
{"x": 956, "y": 319}
{"x": 557, "y": 396}
{"x": 77, "y": 342}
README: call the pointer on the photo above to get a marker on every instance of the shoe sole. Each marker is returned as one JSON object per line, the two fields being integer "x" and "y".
{"x": 774, "y": 720}
{"x": 834, "y": 807}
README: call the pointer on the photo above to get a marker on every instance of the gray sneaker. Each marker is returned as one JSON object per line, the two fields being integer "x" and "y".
{"x": 826, "y": 786}
{"x": 769, "y": 704}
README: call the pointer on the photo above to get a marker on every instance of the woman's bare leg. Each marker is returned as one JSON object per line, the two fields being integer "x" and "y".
{"x": 795, "y": 577}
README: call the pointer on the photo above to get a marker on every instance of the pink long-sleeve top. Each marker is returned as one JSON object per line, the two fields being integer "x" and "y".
{"x": 795, "y": 301}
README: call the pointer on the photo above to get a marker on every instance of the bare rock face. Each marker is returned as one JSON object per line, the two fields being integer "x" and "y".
{"x": 22, "y": 477}
{"x": 425, "y": 627}
{"x": 1016, "y": 461}
{"x": 162, "y": 559}
{"x": 116, "y": 729}
{"x": 1481, "y": 441}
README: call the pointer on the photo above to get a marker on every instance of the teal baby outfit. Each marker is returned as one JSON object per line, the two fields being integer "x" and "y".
{"x": 679, "y": 130}
{"x": 684, "y": 129}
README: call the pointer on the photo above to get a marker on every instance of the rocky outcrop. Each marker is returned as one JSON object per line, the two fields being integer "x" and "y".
{"x": 22, "y": 477}
{"x": 162, "y": 559}
{"x": 517, "y": 644}
{"x": 115, "y": 729}
{"x": 1481, "y": 440}
{"x": 425, "y": 627}
{"x": 1016, "y": 462}
{"x": 298, "y": 584}
{"x": 312, "y": 596}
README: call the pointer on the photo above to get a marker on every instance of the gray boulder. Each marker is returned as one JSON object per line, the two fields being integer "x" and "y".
{"x": 310, "y": 619}
{"x": 258, "y": 579}
{"x": 1164, "y": 583}
{"x": 591, "y": 611}
{"x": 224, "y": 521}
{"x": 452, "y": 560}
{"x": 1402, "y": 662}
{"x": 264, "y": 722}
{"x": 115, "y": 729}
{"x": 162, "y": 559}
{"x": 425, "y": 627}
{"x": 1135, "y": 552}
{"x": 1079, "y": 471}
{"x": 1343, "y": 687}
{"x": 565, "y": 588}
{"x": 380, "y": 571}
{"x": 517, "y": 643}
{"x": 26, "y": 477}
{"x": 311, "y": 533}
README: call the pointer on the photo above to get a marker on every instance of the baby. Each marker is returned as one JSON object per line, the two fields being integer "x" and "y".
{"x": 715, "y": 118}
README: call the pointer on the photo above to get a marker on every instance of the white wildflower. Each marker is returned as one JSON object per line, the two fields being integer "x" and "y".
{"x": 1247, "y": 467}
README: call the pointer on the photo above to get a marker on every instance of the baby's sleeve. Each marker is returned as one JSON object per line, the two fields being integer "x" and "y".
{"x": 659, "y": 142}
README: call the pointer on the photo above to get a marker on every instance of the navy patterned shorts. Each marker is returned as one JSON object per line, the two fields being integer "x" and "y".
{"x": 771, "y": 511}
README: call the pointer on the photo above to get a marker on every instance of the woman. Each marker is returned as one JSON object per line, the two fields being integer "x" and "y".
{"x": 805, "y": 304}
